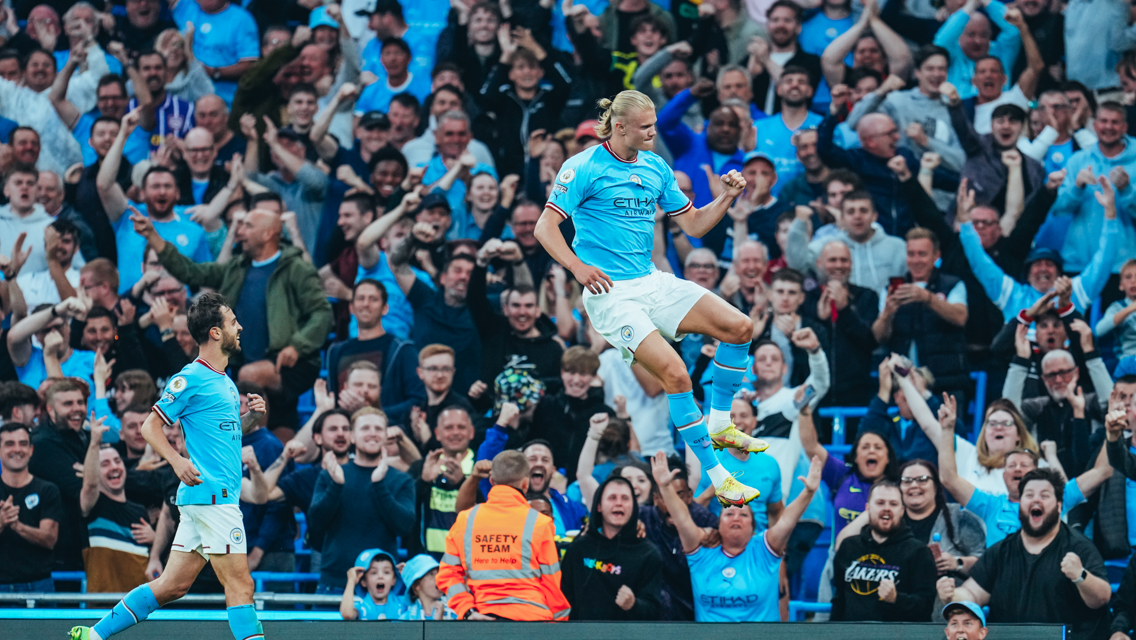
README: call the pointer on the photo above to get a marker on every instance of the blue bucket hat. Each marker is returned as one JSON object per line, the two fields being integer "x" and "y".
{"x": 416, "y": 568}
{"x": 364, "y": 560}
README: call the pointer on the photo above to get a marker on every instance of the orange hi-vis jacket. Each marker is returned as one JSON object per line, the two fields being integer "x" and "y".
{"x": 501, "y": 560}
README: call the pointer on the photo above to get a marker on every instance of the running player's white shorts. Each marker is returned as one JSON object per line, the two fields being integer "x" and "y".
{"x": 632, "y": 309}
{"x": 210, "y": 529}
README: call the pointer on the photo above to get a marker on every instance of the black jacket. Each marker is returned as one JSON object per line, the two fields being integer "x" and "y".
{"x": 849, "y": 346}
{"x": 56, "y": 450}
{"x": 218, "y": 178}
{"x": 595, "y": 567}
{"x": 516, "y": 117}
{"x": 941, "y": 344}
{"x": 500, "y": 346}
{"x": 1124, "y": 603}
{"x": 862, "y": 562}
{"x": 563, "y": 421}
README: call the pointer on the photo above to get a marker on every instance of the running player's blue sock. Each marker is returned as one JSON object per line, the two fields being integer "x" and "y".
{"x": 688, "y": 418}
{"x": 243, "y": 623}
{"x": 134, "y": 608}
{"x": 729, "y": 369}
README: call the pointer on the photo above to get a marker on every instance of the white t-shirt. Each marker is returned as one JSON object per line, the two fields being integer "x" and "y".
{"x": 38, "y": 287}
{"x": 982, "y": 112}
{"x": 650, "y": 417}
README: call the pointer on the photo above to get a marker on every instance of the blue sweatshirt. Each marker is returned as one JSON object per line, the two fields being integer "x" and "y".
{"x": 1084, "y": 234}
{"x": 358, "y": 515}
{"x": 1012, "y": 296}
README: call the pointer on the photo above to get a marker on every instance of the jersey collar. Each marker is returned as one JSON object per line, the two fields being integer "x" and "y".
{"x": 209, "y": 366}
{"x": 616, "y": 155}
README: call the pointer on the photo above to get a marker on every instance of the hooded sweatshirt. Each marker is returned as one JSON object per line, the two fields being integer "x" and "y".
{"x": 861, "y": 563}
{"x": 1083, "y": 239}
{"x": 881, "y": 257}
{"x": 595, "y": 567}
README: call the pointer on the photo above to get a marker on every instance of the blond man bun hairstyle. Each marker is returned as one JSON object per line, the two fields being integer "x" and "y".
{"x": 624, "y": 103}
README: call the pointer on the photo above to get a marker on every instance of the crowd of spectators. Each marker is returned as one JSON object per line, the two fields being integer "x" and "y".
{"x": 938, "y": 210}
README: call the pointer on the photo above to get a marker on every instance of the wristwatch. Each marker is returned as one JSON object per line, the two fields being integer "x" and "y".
{"x": 469, "y": 612}
{"x": 1081, "y": 578}
{"x": 960, "y": 564}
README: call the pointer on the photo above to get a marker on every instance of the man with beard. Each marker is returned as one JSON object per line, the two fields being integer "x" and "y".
{"x": 206, "y": 402}
{"x": 526, "y": 338}
{"x": 1002, "y": 513}
{"x": 394, "y": 358}
{"x": 165, "y": 114}
{"x": 30, "y": 512}
{"x": 1114, "y": 155}
{"x": 114, "y": 334}
{"x": 847, "y": 312}
{"x": 993, "y": 157}
{"x": 884, "y": 574}
{"x": 59, "y": 444}
{"x": 1066, "y": 578}
{"x": 776, "y": 135}
{"x": 373, "y": 246}
{"x": 361, "y": 504}
{"x": 159, "y": 205}
{"x": 1043, "y": 265}
{"x": 563, "y": 418}
{"x": 784, "y": 21}
{"x": 677, "y": 601}
{"x": 115, "y": 560}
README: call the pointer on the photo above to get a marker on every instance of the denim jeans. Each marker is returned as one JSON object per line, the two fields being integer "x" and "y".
{"x": 41, "y": 586}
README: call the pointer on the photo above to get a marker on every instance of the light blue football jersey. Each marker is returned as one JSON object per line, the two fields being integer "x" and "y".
{"x": 740, "y": 589}
{"x": 613, "y": 202}
{"x": 209, "y": 407}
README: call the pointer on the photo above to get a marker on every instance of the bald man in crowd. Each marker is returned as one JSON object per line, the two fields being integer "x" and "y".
{"x": 267, "y": 280}
{"x": 199, "y": 179}
{"x": 212, "y": 114}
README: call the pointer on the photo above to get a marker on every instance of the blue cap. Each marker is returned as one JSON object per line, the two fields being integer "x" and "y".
{"x": 1045, "y": 253}
{"x": 759, "y": 155}
{"x": 969, "y": 606}
{"x": 417, "y": 567}
{"x": 319, "y": 18}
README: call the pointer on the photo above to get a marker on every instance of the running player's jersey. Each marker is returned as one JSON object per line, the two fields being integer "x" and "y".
{"x": 612, "y": 203}
{"x": 209, "y": 407}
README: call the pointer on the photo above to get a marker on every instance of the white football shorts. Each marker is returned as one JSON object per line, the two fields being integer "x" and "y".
{"x": 632, "y": 309}
{"x": 210, "y": 529}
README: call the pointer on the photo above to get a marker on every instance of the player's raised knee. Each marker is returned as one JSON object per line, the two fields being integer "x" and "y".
{"x": 674, "y": 377}
{"x": 740, "y": 329}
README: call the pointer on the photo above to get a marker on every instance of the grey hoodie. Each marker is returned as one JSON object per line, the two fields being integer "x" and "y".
{"x": 873, "y": 262}
{"x": 905, "y": 107}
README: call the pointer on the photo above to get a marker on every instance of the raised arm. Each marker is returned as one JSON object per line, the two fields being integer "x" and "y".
{"x": 110, "y": 192}
{"x": 67, "y": 112}
{"x": 832, "y": 59}
{"x": 961, "y": 489}
{"x": 698, "y": 222}
{"x": 895, "y": 48}
{"x": 689, "y": 533}
{"x": 89, "y": 494}
{"x": 777, "y": 537}
{"x": 1035, "y": 64}
{"x": 809, "y": 441}
{"x": 367, "y": 244}
{"x": 256, "y": 412}
{"x": 325, "y": 144}
{"x": 587, "y": 463}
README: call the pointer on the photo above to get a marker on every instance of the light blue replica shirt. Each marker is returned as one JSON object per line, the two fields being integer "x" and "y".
{"x": 612, "y": 202}
{"x": 738, "y": 589}
{"x": 759, "y": 472}
{"x": 775, "y": 139}
{"x": 183, "y": 233}
{"x": 81, "y": 364}
{"x": 400, "y": 315}
{"x": 209, "y": 407}
{"x": 219, "y": 39}
{"x": 1001, "y": 515}
{"x": 392, "y": 609}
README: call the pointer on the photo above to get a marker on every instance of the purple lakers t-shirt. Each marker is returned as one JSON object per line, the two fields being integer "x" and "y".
{"x": 849, "y": 491}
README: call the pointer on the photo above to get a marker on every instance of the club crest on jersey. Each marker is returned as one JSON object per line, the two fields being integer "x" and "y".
{"x": 237, "y": 536}
{"x": 566, "y": 176}
{"x": 627, "y": 333}
{"x": 729, "y": 572}
{"x": 636, "y": 179}
{"x": 177, "y": 384}
{"x": 31, "y": 501}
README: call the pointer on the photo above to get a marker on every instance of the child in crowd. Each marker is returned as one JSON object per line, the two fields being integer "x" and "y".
{"x": 380, "y": 590}
{"x": 426, "y": 601}
{"x": 1119, "y": 314}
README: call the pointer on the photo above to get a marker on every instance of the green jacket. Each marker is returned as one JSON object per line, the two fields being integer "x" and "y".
{"x": 299, "y": 312}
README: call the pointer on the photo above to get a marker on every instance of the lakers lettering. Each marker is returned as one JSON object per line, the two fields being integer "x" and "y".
{"x": 865, "y": 574}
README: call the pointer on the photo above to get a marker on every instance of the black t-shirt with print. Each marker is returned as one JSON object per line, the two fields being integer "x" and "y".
{"x": 20, "y": 560}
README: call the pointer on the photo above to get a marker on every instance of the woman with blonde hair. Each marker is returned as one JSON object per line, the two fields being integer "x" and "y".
{"x": 613, "y": 192}
{"x": 185, "y": 76}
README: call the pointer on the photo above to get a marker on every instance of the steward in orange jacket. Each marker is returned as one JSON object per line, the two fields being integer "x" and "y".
{"x": 501, "y": 559}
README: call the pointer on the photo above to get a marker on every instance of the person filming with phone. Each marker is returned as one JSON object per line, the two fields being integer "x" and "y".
{"x": 924, "y": 316}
